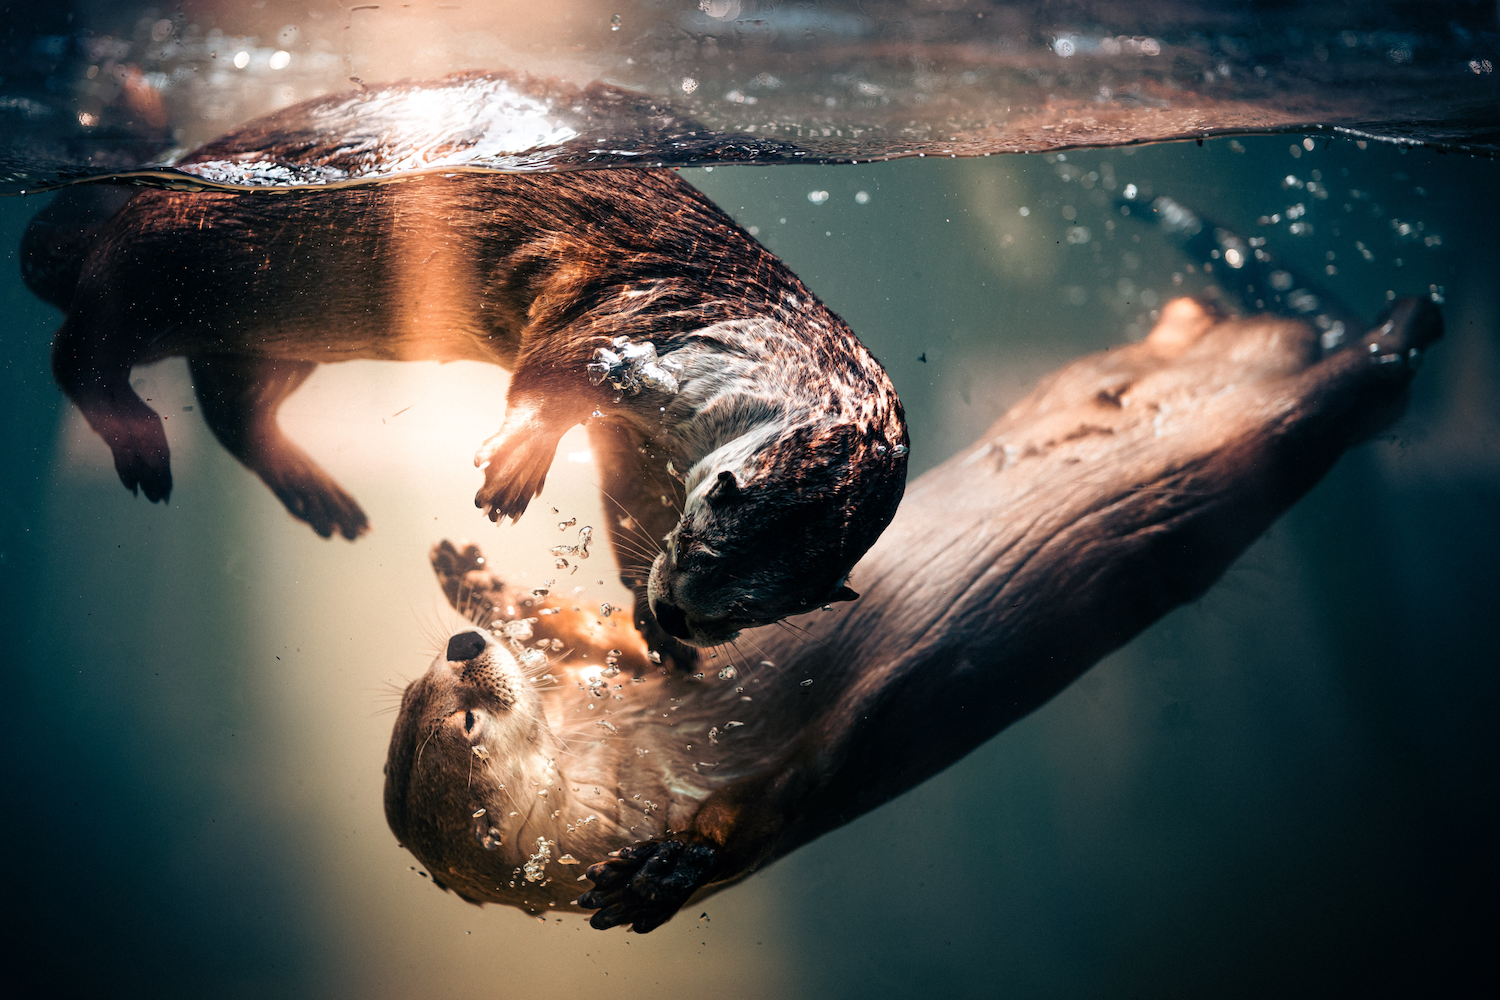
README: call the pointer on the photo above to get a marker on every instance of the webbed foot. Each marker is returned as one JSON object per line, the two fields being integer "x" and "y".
{"x": 515, "y": 462}
{"x": 310, "y": 494}
{"x": 138, "y": 443}
{"x": 473, "y": 589}
{"x": 645, "y": 884}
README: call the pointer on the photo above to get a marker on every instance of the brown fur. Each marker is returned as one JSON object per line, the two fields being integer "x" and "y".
{"x": 1121, "y": 488}
{"x": 535, "y": 273}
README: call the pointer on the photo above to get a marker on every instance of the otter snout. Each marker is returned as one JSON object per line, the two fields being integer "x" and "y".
{"x": 679, "y": 619}
{"x": 694, "y": 631}
{"x": 472, "y": 662}
{"x": 465, "y": 646}
{"x": 672, "y": 619}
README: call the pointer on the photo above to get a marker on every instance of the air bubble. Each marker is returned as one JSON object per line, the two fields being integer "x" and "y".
{"x": 631, "y": 367}
{"x": 537, "y": 862}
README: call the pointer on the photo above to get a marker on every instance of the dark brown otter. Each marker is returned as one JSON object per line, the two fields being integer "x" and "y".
{"x": 622, "y": 297}
{"x": 1122, "y": 487}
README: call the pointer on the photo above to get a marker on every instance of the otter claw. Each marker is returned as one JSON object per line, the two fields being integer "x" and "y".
{"x": 510, "y": 483}
{"x": 647, "y": 883}
{"x": 138, "y": 444}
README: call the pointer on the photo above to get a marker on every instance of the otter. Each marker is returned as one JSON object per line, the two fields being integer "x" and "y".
{"x": 543, "y": 749}
{"x": 624, "y": 299}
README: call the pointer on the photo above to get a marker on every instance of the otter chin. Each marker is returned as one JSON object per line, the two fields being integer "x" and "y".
{"x": 728, "y": 566}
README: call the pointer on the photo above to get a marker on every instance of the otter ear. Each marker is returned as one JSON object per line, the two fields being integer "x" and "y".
{"x": 843, "y": 594}
{"x": 725, "y": 489}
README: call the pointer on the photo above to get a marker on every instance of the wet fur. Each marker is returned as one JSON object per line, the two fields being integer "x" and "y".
{"x": 1121, "y": 488}
{"x": 530, "y": 272}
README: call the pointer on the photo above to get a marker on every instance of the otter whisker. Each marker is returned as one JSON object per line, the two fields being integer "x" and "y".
{"x": 633, "y": 548}
{"x": 764, "y": 659}
{"x": 800, "y": 634}
{"x": 635, "y": 521}
{"x": 639, "y": 550}
{"x": 435, "y": 626}
{"x": 751, "y": 642}
{"x": 647, "y": 540}
{"x": 430, "y": 734}
{"x": 637, "y": 570}
{"x": 639, "y": 544}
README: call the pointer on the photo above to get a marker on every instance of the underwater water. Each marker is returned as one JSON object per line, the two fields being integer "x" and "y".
{"x": 1289, "y": 785}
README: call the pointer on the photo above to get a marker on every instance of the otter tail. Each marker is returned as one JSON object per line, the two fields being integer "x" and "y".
{"x": 61, "y": 235}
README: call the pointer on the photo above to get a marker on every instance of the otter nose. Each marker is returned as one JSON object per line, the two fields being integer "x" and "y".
{"x": 465, "y": 646}
{"x": 671, "y": 618}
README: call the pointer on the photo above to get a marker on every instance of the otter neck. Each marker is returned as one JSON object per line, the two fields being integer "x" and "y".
{"x": 742, "y": 382}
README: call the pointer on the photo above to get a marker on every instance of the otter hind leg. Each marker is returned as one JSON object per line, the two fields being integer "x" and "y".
{"x": 98, "y": 383}
{"x": 240, "y": 397}
{"x": 645, "y": 884}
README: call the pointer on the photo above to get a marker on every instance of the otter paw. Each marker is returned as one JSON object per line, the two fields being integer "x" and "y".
{"x": 472, "y": 588}
{"x": 452, "y": 564}
{"x": 324, "y": 506}
{"x": 143, "y": 462}
{"x": 513, "y": 474}
{"x": 645, "y": 884}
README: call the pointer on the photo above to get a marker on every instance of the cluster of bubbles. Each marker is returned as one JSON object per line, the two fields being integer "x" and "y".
{"x": 631, "y": 367}
{"x": 579, "y": 551}
{"x": 1221, "y": 264}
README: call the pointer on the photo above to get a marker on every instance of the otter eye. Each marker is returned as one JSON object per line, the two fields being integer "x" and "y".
{"x": 469, "y": 722}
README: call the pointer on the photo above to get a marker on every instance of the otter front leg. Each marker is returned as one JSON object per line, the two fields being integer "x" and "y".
{"x": 645, "y": 884}
{"x": 472, "y": 588}
{"x": 736, "y": 829}
{"x": 240, "y": 397}
{"x": 94, "y": 371}
{"x": 540, "y": 408}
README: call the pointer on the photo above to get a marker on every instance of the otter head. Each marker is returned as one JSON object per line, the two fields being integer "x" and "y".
{"x": 470, "y": 734}
{"x": 774, "y": 532}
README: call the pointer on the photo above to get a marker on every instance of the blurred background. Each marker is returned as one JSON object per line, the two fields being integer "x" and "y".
{"x": 1289, "y": 786}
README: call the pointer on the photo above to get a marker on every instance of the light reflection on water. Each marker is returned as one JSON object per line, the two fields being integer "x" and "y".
{"x": 1301, "y": 764}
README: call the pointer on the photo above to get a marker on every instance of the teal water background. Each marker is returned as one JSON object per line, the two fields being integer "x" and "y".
{"x": 1289, "y": 786}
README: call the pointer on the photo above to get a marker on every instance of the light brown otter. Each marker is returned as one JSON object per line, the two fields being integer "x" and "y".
{"x": 1122, "y": 487}
{"x": 625, "y": 298}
